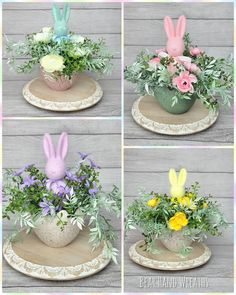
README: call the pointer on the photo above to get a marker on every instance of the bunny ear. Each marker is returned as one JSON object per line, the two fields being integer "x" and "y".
{"x": 66, "y": 12}
{"x": 48, "y": 146}
{"x": 181, "y": 26}
{"x": 62, "y": 146}
{"x": 169, "y": 27}
{"x": 55, "y": 12}
{"x": 182, "y": 176}
{"x": 172, "y": 177}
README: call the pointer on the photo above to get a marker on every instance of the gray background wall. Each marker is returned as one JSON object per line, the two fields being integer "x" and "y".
{"x": 22, "y": 143}
{"x": 95, "y": 20}
{"x": 213, "y": 169}
{"x": 211, "y": 28}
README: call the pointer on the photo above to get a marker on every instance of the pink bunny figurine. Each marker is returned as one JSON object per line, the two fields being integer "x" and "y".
{"x": 55, "y": 166}
{"x": 175, "y": 43}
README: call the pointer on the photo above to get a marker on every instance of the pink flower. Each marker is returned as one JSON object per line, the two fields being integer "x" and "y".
{"x": 171, "y": 68}
{"x": 183, "y": 59}
{"x": 195, "y": 51}
{"x": 154, "y": 62}
{"x": 184, "y": 82}
{"x": 192, "y": 67}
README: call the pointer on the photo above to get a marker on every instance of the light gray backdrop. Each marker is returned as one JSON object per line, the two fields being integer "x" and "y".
{"x": 95, "y": 20}
{"x": 22, "y": 144}
{"x": 211, "y": 28}
{"x": 213, "y": 169}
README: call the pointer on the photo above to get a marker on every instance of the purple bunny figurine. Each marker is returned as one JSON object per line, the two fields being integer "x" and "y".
{"x": 55, "y": 167}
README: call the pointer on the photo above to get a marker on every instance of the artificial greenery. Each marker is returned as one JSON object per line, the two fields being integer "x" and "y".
{"x": 158, "y": 215}
{"x": 81, "y": 198}
{"x": 79, "y": 53}
{"x": 214, "y": 76}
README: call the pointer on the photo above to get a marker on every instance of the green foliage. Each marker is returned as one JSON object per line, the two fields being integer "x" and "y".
{"x": 203, "y": 214}
{"x": 214, "y": 76}
{"x": 78, "y": 57}
{"x": 82, "y": 205}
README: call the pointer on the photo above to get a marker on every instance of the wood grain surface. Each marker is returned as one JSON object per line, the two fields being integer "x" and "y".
{"x": 209, "y": 25}
{"x": 22, "y": 143}
{"x": 147, "y": 168}
{"x": 20, "y": 19}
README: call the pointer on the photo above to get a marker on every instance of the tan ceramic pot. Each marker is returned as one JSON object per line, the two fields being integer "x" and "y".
{"x": 176, "y": 241}
{"x": 61, "y": 83}
{"x": 51, "y": 234}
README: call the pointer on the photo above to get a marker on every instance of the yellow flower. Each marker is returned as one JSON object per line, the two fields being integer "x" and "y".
{"x": 185, "y": 201}
{"x": 205, "y": 205}
{"x": 178, "y": 221}
{"x": 52, "y": 63}
{"x": 153, "y": 202}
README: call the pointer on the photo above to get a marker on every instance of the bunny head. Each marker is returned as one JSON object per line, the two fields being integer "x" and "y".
{"x": 177, "y": 188}
{"x": 175, "y": 43}
{"x": 55, "y": 166}
{"x": 61, "y": 20}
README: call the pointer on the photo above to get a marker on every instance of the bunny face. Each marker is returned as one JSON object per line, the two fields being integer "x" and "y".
{"x": 177, "y": 189}
{"x": 61, "y": 20}
{"x": 175, "y": 43}
{"x": 55, "y": 166}
{"x": 175, "y": 46}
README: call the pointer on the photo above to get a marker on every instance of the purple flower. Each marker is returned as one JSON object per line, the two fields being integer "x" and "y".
{"x": 21, "y": 170}
{"x": 58, "y": 187}
{"x": 47, "y": 207}
{"x": 87, "y": 183}
{"x": 83, "y": 156}
{"x": 82, "y": 177}
{"x": 71, "y": 176}
{"x": 94, "y": 190}
{"x": 28, "y": 181}
{"x": 93, "y": 164}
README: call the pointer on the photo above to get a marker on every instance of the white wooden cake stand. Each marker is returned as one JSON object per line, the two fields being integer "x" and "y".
{"x": 84, "y": 93}
{"x": 168, "y": 260}
{"x": 30, "y": 256}
{"x": 148, "y": 113}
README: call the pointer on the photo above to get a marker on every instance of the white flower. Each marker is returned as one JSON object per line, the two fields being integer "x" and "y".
{"x": 77, "y": 38}
{"x": 42, "y": 37}
{"x": 52, "y": 63}
{"x": 80, "y": 52}
{"x": 47, "y": 30}
{"x": 163, "y": 54}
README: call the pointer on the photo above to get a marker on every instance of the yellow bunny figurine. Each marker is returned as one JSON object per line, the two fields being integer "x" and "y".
{"x": 177, "y": 189}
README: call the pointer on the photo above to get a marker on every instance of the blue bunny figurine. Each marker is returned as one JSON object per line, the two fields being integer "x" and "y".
{"x": 61, "y": 20}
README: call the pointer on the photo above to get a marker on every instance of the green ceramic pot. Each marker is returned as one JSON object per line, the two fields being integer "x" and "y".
{"x": 164, "y": 96}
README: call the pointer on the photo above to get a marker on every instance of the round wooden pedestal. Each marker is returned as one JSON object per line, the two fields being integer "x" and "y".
{"x": 148, "y": 113}
{"x": 84, "y": 93}
{"x": 30, "y": 256}
{"x": 167, "y": 260}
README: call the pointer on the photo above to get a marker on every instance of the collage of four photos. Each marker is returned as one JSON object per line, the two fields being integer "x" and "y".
{"x": 118, "y": 147}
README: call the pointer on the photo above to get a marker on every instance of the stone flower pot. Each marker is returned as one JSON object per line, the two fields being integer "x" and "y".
{"x": 51, "y": 234}
{"x": 176, "y": 241}
{"x": 164, "y": 96}
{"x": 60, "y": 83}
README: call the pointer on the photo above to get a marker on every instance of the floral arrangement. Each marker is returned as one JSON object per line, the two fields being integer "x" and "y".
{"x": 59, "y": 52}
{"x": 159, "y": 216}
{"x": 77, "y": 198}
{"x": 184, "y": 69}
